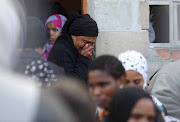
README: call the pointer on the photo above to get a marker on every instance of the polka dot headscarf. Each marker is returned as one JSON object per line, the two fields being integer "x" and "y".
{"x": 133, "y": 60}
{"x": 40, "y": 72}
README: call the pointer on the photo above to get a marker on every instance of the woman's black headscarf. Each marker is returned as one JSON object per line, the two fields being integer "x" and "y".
{"x": 123, "y": 103}
{"x": 81, "y": 25}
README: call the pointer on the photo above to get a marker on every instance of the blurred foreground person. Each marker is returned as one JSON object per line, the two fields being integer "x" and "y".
{"x": 22, "y": 101}
{"x": 76, "y": 96}
{"x": 30, "y": 61}
{"x": 73, "y": 50}
{"x": 133, "y": 104}
{"x": 165, "y": 85}
{"x": 105, "y": 76}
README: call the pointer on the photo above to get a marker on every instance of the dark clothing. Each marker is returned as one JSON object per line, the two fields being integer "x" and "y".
{"x": 38, "y": 8}
{"x": 36, "y": 33}
{"x": 65, "y": 54}
{"x": 26, "y": 57}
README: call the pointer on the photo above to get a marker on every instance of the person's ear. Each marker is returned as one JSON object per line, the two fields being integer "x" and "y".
{"x": 121, "y": 81}
{"x": 73, "y": 37}
{"x": 147, "y": 86}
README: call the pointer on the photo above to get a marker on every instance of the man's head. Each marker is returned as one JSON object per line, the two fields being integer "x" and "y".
{"x": 35, "y": 33}
{"x": 105, "y": 76}
{"x": 135, "y": 65}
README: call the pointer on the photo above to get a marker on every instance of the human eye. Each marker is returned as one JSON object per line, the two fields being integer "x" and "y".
{"x": 85, "y": 42}
{"x": 90, "y": 85}
{"x": 151, "y": 119}
{"x": 137, "y": 81}
{"x": 136, "y": 116}
{"x": 103, "y": 84}
{"x": 55, "y": 29}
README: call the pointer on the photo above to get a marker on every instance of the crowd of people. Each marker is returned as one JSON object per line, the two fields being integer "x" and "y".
{"x": 48, "y": 74}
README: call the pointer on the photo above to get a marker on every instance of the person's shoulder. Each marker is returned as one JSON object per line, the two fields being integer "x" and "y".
{"x": 169, "y": 68}
{"x": 60, "y": 42}
{"x": 57, "y": 69}
{"x": 172, "y": 64}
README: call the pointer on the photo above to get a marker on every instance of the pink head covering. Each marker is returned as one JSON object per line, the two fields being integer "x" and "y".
{"x": 58, "y": 21}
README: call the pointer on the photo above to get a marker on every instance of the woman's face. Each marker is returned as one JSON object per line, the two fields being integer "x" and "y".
{"x": 143, "y": 111}
{"x": 102, "y": 87}
{"x": 54, "y": 33}
{"x": 81, "y": 41}
{"x": 133, "y": 78}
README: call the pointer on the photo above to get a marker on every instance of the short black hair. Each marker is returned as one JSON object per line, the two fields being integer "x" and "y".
{"x": 109, "y": 64}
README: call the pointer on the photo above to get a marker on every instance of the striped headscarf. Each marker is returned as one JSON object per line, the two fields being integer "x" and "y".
{"x": 58, "y": 21}
{"x": 133, "y": 60}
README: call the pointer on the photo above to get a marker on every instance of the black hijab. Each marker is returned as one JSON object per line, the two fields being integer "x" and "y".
{"x": 81, "y": 25}
{"x": 123, "y": 103}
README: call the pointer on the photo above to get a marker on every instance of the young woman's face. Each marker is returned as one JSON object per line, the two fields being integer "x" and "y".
{"x": 102, "y": 87}
{"x": 133, "y": 78}
{"x": 54, "y": 33}
{"x": 143, "y": 111}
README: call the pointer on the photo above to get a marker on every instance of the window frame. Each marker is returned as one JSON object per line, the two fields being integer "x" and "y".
{"x": 172, "y": 43}
{"x": 84, "y": 6}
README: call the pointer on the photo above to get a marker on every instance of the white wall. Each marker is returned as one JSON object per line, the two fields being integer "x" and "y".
{"x": 122, "y": 25}
{"x": 116, "y": 15}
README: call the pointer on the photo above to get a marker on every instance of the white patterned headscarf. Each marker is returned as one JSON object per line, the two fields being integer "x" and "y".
{"x": 133, "y": 60}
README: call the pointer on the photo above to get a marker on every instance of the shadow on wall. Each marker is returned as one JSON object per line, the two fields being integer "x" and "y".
{"x": 42, "y": 8}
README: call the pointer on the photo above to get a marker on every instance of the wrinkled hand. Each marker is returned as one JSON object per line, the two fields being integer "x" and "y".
{"x": 87, "y": 51}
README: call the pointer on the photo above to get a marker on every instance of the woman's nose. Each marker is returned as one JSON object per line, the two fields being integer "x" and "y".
{"x": 51, "y": 33}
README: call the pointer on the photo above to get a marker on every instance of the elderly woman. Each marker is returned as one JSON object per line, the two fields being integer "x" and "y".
{"x": 73, "y": 50}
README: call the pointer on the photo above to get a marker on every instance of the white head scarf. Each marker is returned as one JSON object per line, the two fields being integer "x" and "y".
{"x": 133, "y": 60}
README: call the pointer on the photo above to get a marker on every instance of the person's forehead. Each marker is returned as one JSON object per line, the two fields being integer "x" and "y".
{"x": 97, "y": 76}
{"x": 87, "y": 37}
{"x": 50, "y": 25}
{"x": 144, "y": 102}
{"x": 133, "y": 73}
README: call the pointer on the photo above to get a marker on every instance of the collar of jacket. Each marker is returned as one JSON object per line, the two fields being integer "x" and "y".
{"x": 69, "y": 42}
{"x": 29, "y": 54}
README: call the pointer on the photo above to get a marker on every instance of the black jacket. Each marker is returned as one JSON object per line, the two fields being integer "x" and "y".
{"x": 65, "y": 54}
{"x": 28, "y": 56}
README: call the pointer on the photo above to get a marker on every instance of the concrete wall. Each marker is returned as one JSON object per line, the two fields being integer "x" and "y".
{"x": 122, "y": 24}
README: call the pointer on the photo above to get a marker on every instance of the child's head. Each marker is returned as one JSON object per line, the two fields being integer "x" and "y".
{"x": 136, "y": 68}
{"x": 105, "y": 76}
{"x": 55, "y": 24}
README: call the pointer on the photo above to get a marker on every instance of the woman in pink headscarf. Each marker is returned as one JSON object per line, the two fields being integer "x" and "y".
{"x": 54, "y": 24}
